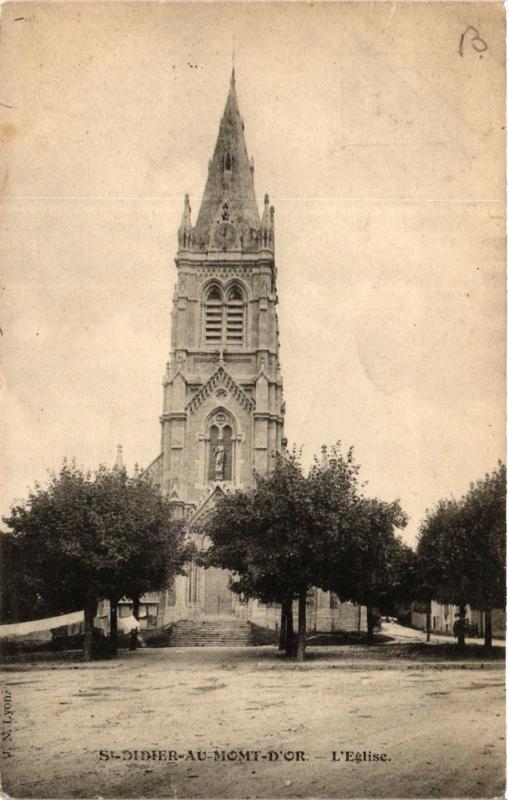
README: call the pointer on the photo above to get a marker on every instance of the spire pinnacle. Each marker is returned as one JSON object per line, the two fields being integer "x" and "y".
{"x": 119, "y": 458}
{"x": 267, "y": 226}
{"x": 185, "y": 229}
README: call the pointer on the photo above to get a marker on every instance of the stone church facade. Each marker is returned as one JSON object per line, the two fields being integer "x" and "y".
{"x": 223, "y": 406}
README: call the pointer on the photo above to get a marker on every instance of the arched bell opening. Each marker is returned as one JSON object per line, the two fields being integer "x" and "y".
{"x": 224, "y": 315}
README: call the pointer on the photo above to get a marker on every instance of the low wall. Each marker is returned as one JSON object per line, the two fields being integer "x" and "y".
{"x": 344, "y": 617}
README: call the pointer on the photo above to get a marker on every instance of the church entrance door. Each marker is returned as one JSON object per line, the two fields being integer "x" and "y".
{"x": 218, "y": 598}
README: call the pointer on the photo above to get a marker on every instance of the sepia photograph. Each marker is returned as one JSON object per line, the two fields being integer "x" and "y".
{"x": 253, "y": 338}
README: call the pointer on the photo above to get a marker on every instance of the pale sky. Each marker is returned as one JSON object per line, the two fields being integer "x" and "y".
{"x": 382, "y": 150}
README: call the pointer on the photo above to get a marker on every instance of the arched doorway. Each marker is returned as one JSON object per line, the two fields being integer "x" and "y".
{"x": 210, "y": 587}
{"x": 218, "y": 598}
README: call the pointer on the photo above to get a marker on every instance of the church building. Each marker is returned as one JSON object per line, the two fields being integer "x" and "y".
{"x": 223, "y": 406}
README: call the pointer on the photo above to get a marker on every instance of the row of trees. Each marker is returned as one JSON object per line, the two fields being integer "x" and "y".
{"x": 295, "y": 531}
{"x": 86, "y": 537}
{"x": 461, "y": 551}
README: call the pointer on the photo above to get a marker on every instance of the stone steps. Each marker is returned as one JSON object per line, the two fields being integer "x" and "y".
{"x": 211, "y": 633}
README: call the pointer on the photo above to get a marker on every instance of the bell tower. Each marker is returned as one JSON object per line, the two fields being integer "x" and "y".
{"x": 223, "y": 407}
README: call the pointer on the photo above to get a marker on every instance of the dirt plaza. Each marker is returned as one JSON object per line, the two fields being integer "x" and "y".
{"x": 243, "y": 723}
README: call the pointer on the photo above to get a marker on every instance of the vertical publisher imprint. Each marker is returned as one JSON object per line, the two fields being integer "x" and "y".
{"x": 7, "y": 718}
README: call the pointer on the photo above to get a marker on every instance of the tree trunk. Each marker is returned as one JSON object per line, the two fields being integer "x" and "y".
{"x": 290, "y": 644}
{"x": 370, "y": 625}
{"x": 135, "y": 607}
{"x": 360, "y": 617}
{"x": 488, "y": 630}
{"x": 302, "y": 624}
{"x": 461, "y": 633}
{"x": 283, "y": 627}
{"x": 429, "y": 619}
{"x": 113, "y": 625}
{"x": 90, "y": 609}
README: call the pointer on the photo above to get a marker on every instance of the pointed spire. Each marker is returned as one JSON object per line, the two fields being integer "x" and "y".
{"x": 229, "y": 179}
{"x": 185, "y": 229}
{"x": 119, "y": 458}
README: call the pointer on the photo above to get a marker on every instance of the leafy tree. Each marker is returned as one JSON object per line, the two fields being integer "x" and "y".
{"x": 369, "y": 565}
{"x": 255, "y": 535}
{"x": 145, "y": 546}
{"x": 21, "y": 591}
{"x": 443, "y": 559}
{"x": 399, "y": 595}
{"x": 484, "y": 519}
{"x": 462, "y": 550}
{"x": 407, "y": 576}
{"x": 277, "y": 538}
{"x": 294, "y": 532}
{"x": 87, "y": 537}
{"x": 56, "y": 529}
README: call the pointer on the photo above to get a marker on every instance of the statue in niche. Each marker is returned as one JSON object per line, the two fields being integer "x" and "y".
{"x": 218, "y": 454}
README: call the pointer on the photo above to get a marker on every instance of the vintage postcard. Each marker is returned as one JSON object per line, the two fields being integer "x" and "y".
{"x": 253, "y": 373}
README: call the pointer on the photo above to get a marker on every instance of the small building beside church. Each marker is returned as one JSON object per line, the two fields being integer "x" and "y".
{"x": 443, "y": 617}
{"x": 223, "y": 404}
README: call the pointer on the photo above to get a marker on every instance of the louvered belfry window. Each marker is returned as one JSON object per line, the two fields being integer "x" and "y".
{"x": 224, "y": 317}
{"x": 234, "y": 316}
{"x": 213, "y": 316}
